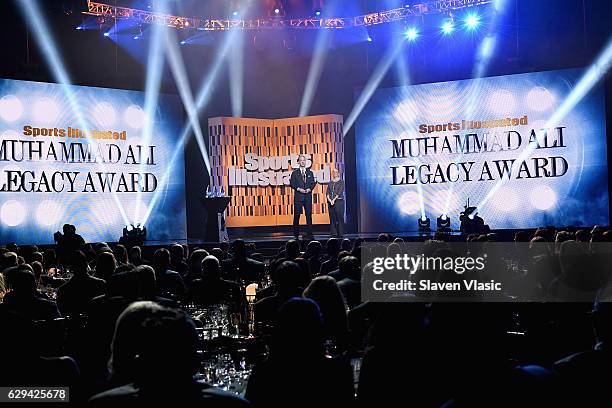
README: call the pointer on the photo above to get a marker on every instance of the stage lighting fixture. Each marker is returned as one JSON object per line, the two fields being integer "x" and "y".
{"x": 369, "y": 39}
{"x": 276, "y": 11}
{"x": 133, "y": 235}
{"x": 79, "y": 28}
{"x": 443, "y": 223}
{"x": 318, "y": 13}
{"x": 235, "y": 13}
{"x": 472, "y": 21}
{"x": 424, "y": 225}
{"x": 186, "y": 23}
{"x": 412, "y": 34}
{"x": 183, "y": 42}
{"x": 107, "y": 34}
{"x": 448, "y": 27}
{"x": 136, "y": 37}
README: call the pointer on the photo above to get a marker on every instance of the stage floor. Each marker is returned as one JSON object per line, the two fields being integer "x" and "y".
{"x": 278, "y": 237}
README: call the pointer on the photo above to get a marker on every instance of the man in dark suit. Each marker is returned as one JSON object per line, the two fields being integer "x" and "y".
{"x": 302, "y": 182}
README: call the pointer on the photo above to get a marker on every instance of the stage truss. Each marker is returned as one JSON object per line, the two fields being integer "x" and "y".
{"x": 388, "y": 16}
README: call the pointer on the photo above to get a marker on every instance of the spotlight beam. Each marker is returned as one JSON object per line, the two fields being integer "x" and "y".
{"x": 34, "y": 16}
{"x": 375, "y": 79}
{"x": 155, "y": 66}
{"x": 179, "y": 73}
{"x": 401, "y": 68}
{"x": 236, "y": 75}
{"x": 591, "y": 77}
{"x": 204, "y": 94}
{"x": 484, "y": 54}
{"x": 236, "y": 67}
{"x": 317, "y": 63}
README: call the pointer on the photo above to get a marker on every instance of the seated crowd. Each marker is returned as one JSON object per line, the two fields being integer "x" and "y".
{"x": 113, "y": 324}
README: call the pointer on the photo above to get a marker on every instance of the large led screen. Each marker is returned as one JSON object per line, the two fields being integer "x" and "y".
{"x": 527, "y": 150}
{"x": 90, "y": 157}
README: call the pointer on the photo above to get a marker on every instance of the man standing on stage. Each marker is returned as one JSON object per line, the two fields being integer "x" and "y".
{"x": 302, "y": 182}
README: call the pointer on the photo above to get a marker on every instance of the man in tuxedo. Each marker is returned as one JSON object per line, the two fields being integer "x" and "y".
{"x": 302, "y": 182}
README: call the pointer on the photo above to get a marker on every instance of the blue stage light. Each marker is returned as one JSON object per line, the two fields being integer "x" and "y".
{"x": 276, "y": 11}
{"x": 448, "y": 27}
{"x": 486, "y": 47}
{"x": 424, "y": 225}
{"x": 136, "y": 37}
{"x": 107, "y": 34}
{"x": 369, "y": 39}
{"x": 317, "y": 13}
{"x": 183, "y": 42}
{"x": 79, "y": 28}
{"x": 412, "y": 34}
{"x": 235, "y": 13}
{"x": 472, "y": 21}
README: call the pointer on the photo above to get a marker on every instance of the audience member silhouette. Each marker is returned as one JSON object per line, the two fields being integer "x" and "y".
{"x": 211, "y": 288}
{"x": 346, "y": 245}
{"x": 325, "y": 292}
{"x": 337, "y": 274}
{"x": 169, "y": 282}
{"x": 195, "y": 265}
{"x": 8, "y": 259}
{"x": 585, "y": 375}
{"x": 313, "y": 256}
{"x": 219, "y": 254}
{"x": 297, "y": 372}
{"x": 289, "y": 252}
{"x": 331, "y": 262}
{"x": 74, "y": 296}
{"x": 121, "y": 255}
{"x": 150, "y": 342}
{"x": 240, "y": 267}
{"x": 24, "y": 299}
{"x": 288, "y": 281}
{"x": 350, "y": 284}
{"x": 177, "y": 260}
{"x": 581, "y": 277}
{"x": 398, "y": 336}
{"x": 146, "y": 284}
{"x": 105, "y": 265}
{"x": 67, "y": 243}
{"x": 135, "y": 256}
{"x": 22, "y": 364}
{"x": 102, "y": 313}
